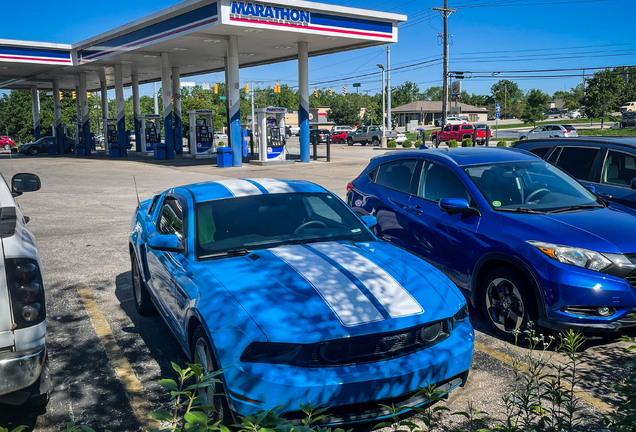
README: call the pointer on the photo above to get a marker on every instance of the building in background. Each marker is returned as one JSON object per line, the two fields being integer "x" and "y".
{"x": 425, "y": 112}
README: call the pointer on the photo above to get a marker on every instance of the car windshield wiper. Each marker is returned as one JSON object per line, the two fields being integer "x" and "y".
{"x": 577, "y": 207}
{"x": 229, "y": 253}
{"x": 521, "y": 210}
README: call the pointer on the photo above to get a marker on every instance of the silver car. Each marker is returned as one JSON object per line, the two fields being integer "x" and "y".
{"x": 550, "y": 131}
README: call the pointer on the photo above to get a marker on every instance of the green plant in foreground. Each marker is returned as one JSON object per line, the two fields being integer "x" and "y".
{"x": 624, "y": 418}
{"x": 502, "y": 143}
{"x": 467, "y": 142}
{"x": 221, "y": 144}
{"x": 418, "y": 143}
{"x": 391, "y": 144}
{"x": 18, "y": 429}
{"x": 452, "y": 143}
{"x": 407, "y": 144}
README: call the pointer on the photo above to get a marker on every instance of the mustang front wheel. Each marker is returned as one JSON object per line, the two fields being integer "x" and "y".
{"x": 143, "y": 303}
{"x": 214, "y": 396}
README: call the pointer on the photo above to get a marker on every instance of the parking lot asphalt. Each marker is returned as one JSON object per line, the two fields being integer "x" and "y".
{"x": 81, "y": 219}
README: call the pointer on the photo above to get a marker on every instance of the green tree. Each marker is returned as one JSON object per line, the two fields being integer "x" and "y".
{"x": 432, "y": 94}
{"x": 343, "y": 111}
{"x": 573, "y": 99}
{"x": 404, "y": 94}
{"x": 536, "y": 101}
{"x": 506, "y": 92}
{"x": 603, "y": 94}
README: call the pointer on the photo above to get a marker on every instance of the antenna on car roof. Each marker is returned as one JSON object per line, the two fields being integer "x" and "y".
{"x": 137, "y": 192}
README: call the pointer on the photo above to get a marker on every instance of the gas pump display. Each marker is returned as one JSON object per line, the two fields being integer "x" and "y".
{"x": 271, "y": 133}
{"x": 112, "y": 134}
{"x": 153, "y": 135}
{"x": 203, "y": 136}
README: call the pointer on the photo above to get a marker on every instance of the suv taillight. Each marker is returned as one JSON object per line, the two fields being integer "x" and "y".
{"x": 26, "y": 290}
{"x": 349, "y": 187}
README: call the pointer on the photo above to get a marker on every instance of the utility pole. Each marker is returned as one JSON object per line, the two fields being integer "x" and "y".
{"x": 388, "y": 85}
{"x": 445, "y": 13}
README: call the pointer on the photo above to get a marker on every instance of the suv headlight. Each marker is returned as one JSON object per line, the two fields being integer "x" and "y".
{"x": 578, "y": 257}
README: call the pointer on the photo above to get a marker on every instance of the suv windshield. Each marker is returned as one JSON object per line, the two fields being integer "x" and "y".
{"x": 530, "y": 186}
{"x": 265, "y": 221}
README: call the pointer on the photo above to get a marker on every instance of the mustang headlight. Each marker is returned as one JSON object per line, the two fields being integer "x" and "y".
{"x": 460, "y": 316}
{"x": 277, "y": 353}
{"x": 578, "y": 257}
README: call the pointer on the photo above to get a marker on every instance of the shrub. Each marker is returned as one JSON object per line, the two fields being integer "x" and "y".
{"x": 467, "y": 142}
{"x": 452, "y": 143}
{"x": 407, "y": 144}
{"x": 502, "y": 143}
{"x": 221, "y": 143}
{"x": 418, "y": 143}
{"x": 391, "y": 144}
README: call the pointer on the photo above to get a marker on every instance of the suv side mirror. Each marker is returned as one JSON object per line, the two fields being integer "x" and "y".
{"x": 457, "y": 205}
{"x": 633, "y": 183}
{"x": 24, "y": 182}
{"x": 166, "y": 243}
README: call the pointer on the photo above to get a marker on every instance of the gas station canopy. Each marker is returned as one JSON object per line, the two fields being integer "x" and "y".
{"x": 194, "y": 33}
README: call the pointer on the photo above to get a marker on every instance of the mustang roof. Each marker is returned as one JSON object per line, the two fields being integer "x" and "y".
{"x": 231, "y": 188}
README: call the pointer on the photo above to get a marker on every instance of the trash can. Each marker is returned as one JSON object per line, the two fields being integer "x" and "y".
{"x": 160, "y": 151}
{"x": 53, "y": 148}
{"x": 79, "y": 149}
{"x": 113, "y": 150}
{"x": 224, "y": 157}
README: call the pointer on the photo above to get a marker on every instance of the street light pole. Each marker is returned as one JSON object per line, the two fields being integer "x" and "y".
{"x": 505, "y": 100}
{"x": 383, "y": 141}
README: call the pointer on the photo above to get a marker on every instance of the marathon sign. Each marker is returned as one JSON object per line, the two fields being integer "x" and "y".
{"x": 269, "y": 13}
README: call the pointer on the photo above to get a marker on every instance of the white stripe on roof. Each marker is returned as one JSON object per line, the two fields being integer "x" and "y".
{"x": 274, "y": 185}
{"x": 240, "y": 188}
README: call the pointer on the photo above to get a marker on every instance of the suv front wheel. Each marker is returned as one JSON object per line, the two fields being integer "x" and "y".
{"x": 507, "y": 302}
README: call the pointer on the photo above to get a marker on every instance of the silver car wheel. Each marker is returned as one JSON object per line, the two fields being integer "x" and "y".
{"x": 504, "y": 305}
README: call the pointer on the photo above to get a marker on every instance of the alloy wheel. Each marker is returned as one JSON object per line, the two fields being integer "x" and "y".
{"x": 504, "y": 305}
{"x": 203, "y": 356}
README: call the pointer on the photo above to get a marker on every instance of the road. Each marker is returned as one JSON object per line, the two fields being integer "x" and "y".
{"x": 81, "y": 219}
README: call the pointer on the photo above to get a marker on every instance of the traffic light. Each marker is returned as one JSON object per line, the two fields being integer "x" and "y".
{"x": 330, "y": 92}
{"x": 276, "y": 88}
{"x": 73, "y": 95}
{"x": 315, "y": 93}
{"x": 216, "y": 89}
{"x": 344, "y": 90}
{"x": 88, "y": 95}
{"x": 61, "y": 95}
{"x": 247, "y": 89}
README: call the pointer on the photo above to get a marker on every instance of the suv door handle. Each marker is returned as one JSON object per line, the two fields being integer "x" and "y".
{"x": 415, "y": 209}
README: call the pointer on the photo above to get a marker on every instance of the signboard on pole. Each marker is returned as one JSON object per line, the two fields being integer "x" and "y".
{"x": 456, "y": 88}
{"x": 356, "y": 84}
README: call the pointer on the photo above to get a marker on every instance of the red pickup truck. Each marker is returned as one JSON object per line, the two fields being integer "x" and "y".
{"x": 459, "y": 132}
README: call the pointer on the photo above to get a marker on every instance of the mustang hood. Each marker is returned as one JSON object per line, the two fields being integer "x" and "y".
{"x": 322, "y": 291}
{"x": 610, "y": 230}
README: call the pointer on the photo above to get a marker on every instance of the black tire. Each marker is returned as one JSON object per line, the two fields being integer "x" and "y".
{"x": 363, "y": 143}
{"x": 508, "y": 303}
{"x": 143, "y": 302}
{"x": 202, "y": 354}
{"x": 435, "y": 142}
{"x": 7, "y": 146}
{"x": 350, "y": 141}
{"x": 33, "y": 151}
{"x": 375, "y": 141}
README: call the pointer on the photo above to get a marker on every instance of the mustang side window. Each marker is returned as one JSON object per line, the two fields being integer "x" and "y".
{"x": 171, "y": 221}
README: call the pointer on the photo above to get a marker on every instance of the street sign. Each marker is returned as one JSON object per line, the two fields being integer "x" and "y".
{"x": 497, "y": 105}
{"x": 497, "y": 114}
{"x": 223, "y": 97}
{"x": 356, "y": 84}
{"x": 271, "y": 95}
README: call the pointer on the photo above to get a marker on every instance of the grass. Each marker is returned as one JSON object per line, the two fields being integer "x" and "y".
{"x": 607, "y": 132}
{"x": 411, "y": 136}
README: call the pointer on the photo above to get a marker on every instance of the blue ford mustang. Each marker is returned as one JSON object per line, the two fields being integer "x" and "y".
{"x": 282, "y": 286}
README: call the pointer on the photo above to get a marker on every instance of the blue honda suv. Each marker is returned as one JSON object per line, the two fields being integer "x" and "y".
{"x": 521, "y": 238}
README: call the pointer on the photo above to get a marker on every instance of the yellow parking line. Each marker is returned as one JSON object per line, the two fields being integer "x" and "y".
{"x": 132, "y": 386}
{"x": 595, "y": 402}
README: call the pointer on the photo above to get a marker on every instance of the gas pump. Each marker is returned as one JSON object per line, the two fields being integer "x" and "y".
{"x": 271, "y": 133}
{"x": 151, "y": 134}
{"x": 111, "y": 138}
{"x": 79, "y": 139}
{"x": 201, "y": 134}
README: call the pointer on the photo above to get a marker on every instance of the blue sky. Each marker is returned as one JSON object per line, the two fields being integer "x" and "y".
{"x": 488, "y": 36}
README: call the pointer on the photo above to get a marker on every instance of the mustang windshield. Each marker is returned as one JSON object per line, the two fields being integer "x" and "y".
{"x": 530, "y": 187}
{"x": 238, "y": 225}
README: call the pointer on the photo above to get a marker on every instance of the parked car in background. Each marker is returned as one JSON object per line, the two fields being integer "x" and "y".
{"x": 400, "y": 138}
{"x": 307, "y": 293}
{"x": 369, "y": 134}
{"x": 42, "y": 146}
{"x": 295, "y": 130}
{"x": 6, "y": 143}
{"x": 288, "y": 131}
{"x": 607, "y": 164}
{"x": 336, "y": 129}
{"x": 220, "y": 136}
{"x": 519, "y": 236}
{"x": 555, "y": 112}
{"x": 451, "y": 119}
{"x": 574, "y": 114}
{"x": 628, "y": 119}
{"x": 319, "y": 136}
{"x": 459, "y": 132}
{"x": 24, "y": 370}
{"x": 550, "y": 131}
{"x": 482, "y": 128}
{"x": 628, "y": 106}
{"x": 339, "y": 137}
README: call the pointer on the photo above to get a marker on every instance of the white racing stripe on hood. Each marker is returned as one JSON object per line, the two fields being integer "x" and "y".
{"x": 239, "y": 187}
{"x": 274, "y": 186}
{"x": 394, "y": 297}
{"x": 347, "y": 302}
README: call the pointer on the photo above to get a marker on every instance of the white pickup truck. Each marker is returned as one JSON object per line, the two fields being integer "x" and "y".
{"x": 24, "y": 376}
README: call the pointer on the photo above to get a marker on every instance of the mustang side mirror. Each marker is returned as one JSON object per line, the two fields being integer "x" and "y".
{"x": 593, "y": 189}
{"x": 166, "y": 243}
{"x": 457, "y": 205}
{"x": 24, "y": 182}
{"x": 369, "y": 221}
